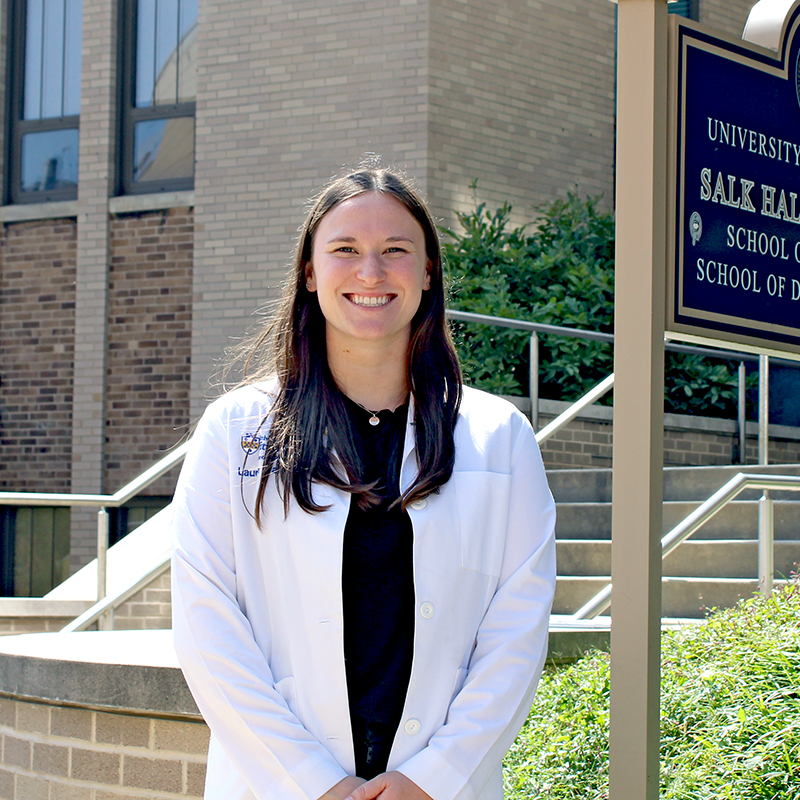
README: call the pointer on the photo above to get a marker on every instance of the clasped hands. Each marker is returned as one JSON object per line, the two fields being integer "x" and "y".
{"x": 386, "y": 786}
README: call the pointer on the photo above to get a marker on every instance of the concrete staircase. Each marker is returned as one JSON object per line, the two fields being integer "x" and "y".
{"x": 714, "y": 568}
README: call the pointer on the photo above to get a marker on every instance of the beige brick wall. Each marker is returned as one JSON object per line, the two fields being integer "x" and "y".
{"x": 150, "y": 609}
{"x": 149, "y": 342}
{"x": 37, "y": 325}
{"x": 95, "y": 182}
{"x": 522, "y": 98}
{"x": 57, "y": 753}
{"x": 288, "y": 93}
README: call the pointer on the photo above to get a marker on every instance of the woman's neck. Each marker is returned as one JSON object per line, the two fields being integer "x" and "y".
{"x": 373, "y": 379}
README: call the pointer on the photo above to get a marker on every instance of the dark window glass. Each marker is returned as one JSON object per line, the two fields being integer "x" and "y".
{"x": 158, "y": 95}
{"x": 50, "y": 160}
{"x": 163, "y": 149}
{"x": 684, "y": 8}
{"x": 34, "y": 550}
{"x": 46, "y": 96}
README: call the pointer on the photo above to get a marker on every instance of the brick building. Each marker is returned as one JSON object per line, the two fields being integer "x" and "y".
{"x": 156, "y": 157}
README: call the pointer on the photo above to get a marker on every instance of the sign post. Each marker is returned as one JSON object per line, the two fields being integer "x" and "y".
{"x": 638, "y": 399}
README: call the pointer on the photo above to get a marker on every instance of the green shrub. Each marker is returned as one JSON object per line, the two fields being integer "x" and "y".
{"x": 730, "y": 714}
{"x": 557, "y": 270}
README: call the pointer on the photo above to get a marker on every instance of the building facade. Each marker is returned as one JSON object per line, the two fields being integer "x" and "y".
{"x": 156, "y": 159}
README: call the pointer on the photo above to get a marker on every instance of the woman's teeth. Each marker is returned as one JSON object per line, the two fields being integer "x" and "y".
{"x": 362, "y": 300}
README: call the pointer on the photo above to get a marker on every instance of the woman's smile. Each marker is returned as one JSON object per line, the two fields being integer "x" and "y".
{"x": 370, "y": 301}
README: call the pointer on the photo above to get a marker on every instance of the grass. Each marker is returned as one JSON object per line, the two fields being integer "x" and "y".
{"x": 730, "y": 713}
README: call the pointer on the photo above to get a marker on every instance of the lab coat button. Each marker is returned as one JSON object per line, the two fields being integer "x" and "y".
{"x": 412, "y": 726}
{"x": 419, "y": 504}
{"x": 426, "y": 609}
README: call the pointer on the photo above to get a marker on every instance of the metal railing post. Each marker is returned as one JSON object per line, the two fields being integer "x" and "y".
{"x": 763, "y": 410}
{"x": 742, "y": 415}
{"x": 534, "y": 380}
{"x": 766, "y": 537}
{"x": 102, "y": 552}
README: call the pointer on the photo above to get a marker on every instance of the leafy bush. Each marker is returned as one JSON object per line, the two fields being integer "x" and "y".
{"x": 557, "y": 270}
{"x": 730, "y": 713}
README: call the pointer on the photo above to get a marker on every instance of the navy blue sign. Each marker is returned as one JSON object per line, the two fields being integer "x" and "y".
{"x": 735, "y": 275}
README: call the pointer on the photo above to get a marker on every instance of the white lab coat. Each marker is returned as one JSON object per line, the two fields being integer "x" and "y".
{"x": 257, "y": 614}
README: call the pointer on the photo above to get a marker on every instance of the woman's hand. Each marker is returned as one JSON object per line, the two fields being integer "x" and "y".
{"x": 343, "y": 789}
{"x": 389, "y": 786}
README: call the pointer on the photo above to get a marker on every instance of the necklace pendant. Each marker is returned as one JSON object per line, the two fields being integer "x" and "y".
{"x": 374, "y": 420}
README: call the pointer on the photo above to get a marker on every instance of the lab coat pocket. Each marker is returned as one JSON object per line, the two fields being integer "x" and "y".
{"x": 286, "y": 689}
{"x": 461, "y": 676}
{"x": 483, "y": 512}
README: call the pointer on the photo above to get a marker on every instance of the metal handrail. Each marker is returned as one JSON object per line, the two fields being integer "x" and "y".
{"x": 683, "y": 530}
{"x": 535, "y": 328}
{"x": 101, "y": 502}
{"x": 115, "y": 500}
{"x": 567, "y": 416}
{"x": 107, "y": 605}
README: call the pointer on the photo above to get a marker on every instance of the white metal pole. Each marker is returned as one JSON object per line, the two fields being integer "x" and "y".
{"x": 763, "y": 410}
{"x": 742, "y": 413}
{"x": 102, "y": 551}
{"x": 766, "y": 538}
{"x": 534, "y": 379}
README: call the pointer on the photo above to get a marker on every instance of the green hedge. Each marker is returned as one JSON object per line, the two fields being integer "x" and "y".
{"x": 559, "y": 270}
{"x": 730, "y": 714}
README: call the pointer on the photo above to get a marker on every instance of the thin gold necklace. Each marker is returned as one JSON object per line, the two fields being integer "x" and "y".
{"x": 374, "y": 418}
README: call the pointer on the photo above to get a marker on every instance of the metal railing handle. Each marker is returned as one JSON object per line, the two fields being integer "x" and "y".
{"x": 683, "y": 530}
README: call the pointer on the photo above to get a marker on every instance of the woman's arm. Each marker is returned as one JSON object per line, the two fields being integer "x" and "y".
{"x": 226, "y": 670}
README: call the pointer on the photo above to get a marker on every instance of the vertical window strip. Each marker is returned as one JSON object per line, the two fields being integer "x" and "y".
{"x": 177, "y": 50}
{"x": 64, "y": 45}
{"x": 52, "y": 82}
{"x": 32, "y": 69}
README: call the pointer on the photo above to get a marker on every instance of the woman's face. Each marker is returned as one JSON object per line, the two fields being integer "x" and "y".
{"x": 369, "y": 268}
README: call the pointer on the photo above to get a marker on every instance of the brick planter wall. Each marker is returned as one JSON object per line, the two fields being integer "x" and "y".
{"x": 52, "y": 752}
{"x": 587, "y": 441}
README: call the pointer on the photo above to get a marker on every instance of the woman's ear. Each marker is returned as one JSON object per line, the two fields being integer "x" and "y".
{"x": 311, "y": 283}
{"x": 427, "y": 282}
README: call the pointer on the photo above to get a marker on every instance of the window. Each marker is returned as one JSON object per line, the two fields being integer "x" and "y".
{"x": 127, "y": 518}
{"x": 34, "y": 550}
{"x": 158, "y": 95}
{"x": 45, "y": 100}
{"x": 684, "y": 8}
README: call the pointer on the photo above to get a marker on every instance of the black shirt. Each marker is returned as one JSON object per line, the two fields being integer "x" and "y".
{"x": 378, "y": 594}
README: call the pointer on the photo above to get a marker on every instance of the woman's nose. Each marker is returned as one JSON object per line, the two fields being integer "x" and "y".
{"x": 370, "y": 269}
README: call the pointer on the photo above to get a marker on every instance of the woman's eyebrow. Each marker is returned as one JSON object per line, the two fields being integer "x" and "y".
{"x": 338, "y": 238}
{"x": 350, "y": 239}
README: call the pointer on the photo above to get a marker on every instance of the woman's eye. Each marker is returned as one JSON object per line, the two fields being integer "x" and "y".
{"x": 345, "y": 249}
{"x": 396, "y": 250}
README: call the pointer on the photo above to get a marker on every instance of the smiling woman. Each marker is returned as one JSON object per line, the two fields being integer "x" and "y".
{"x": 360, "y": 603}
{"x": 369, "y": 268}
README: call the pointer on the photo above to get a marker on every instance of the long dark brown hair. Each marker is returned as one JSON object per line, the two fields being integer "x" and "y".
{"x": 310, "y": 436}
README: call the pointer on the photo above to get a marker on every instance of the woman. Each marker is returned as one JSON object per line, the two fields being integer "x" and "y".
{"x": 363, "y": 552}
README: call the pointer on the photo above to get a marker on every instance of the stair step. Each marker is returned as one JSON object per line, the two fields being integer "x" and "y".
{"x": 731, "y": 558}
{"x": 681, "y": 597}
{"x": 680, "y": 483}
{"x": 737, "y": 520}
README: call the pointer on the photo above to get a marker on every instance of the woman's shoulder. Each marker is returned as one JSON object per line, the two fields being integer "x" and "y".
{"x": 489, "y": 410}
{"x": 245, "y": 402}
{"x": 488, "y": 431}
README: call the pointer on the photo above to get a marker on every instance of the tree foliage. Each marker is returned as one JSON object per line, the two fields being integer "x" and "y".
{"x": 559, "y": 270}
